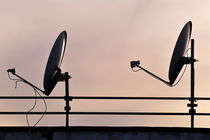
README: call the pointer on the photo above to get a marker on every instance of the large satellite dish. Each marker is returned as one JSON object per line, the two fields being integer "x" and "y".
{"x": 52, "y": 71}
{"x": 177, "y": 60}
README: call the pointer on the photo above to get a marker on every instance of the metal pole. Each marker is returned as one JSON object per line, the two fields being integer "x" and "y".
{"x": 192, "y": 100}
{"x": 67, "y": 98}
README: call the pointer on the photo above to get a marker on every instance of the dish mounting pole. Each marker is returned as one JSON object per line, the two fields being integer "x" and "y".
{"x": 66, "y": 78}
{"x": 192, "y": 104}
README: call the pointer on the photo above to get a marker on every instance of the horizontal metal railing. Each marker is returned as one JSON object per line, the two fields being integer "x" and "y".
{"x": 71, "y": 98}
{"x": 104, "y": 97}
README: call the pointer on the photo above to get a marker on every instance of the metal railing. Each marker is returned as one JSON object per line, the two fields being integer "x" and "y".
{"x": 72, "y": 98}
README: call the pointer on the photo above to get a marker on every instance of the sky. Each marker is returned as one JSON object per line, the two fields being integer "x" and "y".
{"x": 103, "y": 37}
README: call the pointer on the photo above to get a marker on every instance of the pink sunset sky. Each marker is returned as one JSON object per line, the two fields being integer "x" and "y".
{"x": 103, "y": 37}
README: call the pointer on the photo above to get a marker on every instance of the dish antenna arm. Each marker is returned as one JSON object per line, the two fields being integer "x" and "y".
{"x": 12, "y": 71}
{"x": 137, "y": 64}
{"x": 62, "y": 77}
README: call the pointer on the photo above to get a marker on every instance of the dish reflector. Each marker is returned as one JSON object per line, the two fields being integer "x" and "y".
{"x": 52, "y": 71}
{"x": 179, "y": 50}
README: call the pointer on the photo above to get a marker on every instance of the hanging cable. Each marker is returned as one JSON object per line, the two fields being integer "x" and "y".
{"x": 16, "y": 80}
{"x": 44, "y": 110}
{"x": 35, "y": 102}
{"x": 135, "y": 70}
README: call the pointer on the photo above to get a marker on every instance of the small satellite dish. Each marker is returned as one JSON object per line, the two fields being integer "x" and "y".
{"x": 177, "y": 60}
{"x": 52, "y": 71}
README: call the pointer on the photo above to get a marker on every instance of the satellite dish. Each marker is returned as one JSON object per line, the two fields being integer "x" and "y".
{"x": 52, "y": 71}
{"x": 177, "y": 60}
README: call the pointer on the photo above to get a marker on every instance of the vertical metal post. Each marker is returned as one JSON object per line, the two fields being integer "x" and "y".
{"x": 192, "y": 100}
{"x": 67, "y": 98}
